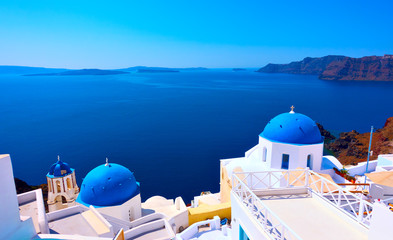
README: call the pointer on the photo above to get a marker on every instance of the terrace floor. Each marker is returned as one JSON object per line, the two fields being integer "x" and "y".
{"x": 30, "y": 209}
{"x": 311, "y": 219}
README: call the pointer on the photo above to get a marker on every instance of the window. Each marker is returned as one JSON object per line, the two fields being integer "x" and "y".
{"x": 68, "y": 184}
{"x": 309, "y": 161}
{"x": 58, "y": 186}
{"x": 285, "y": 161}
{"x": 264, "y": 154}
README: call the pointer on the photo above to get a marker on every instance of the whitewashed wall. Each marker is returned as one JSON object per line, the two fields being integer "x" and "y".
{"x": 241, "y": 216}
{"x": 381, "y": 223}
{"x": 297, "y": 154}
{"x": 122, "y": 211}
{"x": 11, "y": 227}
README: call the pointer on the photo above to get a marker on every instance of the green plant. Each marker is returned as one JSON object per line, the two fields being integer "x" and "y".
{"x": 344, "y": 171}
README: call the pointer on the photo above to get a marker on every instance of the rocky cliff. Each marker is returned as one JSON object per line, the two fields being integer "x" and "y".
{"x": 352, "y": 147}
{"x": 374, "y": 68}
{"x": 313, "y": 66}
{"x": 333, "y": 67}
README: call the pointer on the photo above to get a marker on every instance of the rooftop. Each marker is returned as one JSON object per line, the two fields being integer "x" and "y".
{"x": 301, "y": 204}
{"x": 317, "y": 219}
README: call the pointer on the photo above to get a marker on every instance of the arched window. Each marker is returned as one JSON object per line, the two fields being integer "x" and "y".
{"x": 68, "y": 184}
{"x": 63, "y": 200}
{"x": 285, "y": 161}
{"x": 58, "y": 186}
{"x": 264, "y": 154}
{"x": 49, "y": 186}
{"x": 309, "y": 161}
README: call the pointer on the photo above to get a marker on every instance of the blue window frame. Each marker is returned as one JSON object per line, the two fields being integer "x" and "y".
{"x": 309, "y": 161}
{"x": 285, "y": 161}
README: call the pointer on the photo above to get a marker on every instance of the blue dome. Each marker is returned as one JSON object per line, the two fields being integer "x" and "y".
{"x": 108, "y": 185}
{"x": 292, "y": 128}
{"x": 59, "y": 169}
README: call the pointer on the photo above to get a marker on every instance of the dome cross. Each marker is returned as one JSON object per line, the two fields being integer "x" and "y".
{"x": 292, "y": 107}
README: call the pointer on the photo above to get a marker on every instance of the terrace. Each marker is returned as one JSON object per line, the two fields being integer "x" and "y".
{"x": 301, "y": 204}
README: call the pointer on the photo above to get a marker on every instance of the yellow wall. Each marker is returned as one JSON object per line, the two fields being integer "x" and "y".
{"x": 226, "y": 184}
{"x": 204, "y": 212}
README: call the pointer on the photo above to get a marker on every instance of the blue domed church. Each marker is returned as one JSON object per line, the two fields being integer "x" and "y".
{"x": 62, "y": 187}
{"x": 113, "y": 190}
{"x": 289, "y": 141}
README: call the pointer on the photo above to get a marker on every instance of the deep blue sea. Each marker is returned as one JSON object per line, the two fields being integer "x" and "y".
{"x": 170, "y": 129}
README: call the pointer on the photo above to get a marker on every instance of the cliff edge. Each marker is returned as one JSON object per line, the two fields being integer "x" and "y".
{"x": 335, "y": 67}
{"x": 312, "y": 66}
{"x": 373, "y": 68}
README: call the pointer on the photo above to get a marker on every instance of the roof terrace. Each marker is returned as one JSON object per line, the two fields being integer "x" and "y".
{"x": 301, "y": 204}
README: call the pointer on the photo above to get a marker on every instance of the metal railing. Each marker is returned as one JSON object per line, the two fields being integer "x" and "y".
{"x": 246, "y": 184}
{"x": 267, "y": 219}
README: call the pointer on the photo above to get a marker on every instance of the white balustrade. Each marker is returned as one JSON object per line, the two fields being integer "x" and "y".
{"x": 246, "y": 186}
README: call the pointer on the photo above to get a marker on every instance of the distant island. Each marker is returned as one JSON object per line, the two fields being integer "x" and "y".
{"x": 42, "y": 71}
{"x": 28, "y": 70}
{"x": 336, "y": 67}
{"x": 80, "y": 72}
{"x": 157, "y": 71}
{"x": 143, "y": 69}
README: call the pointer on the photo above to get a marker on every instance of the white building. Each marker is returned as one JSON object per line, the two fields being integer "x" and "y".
{"x": 307, "y": 206}
{"x": 13, "y": 225}
{"x": 62, "y": 187}
{"x": 289, "y": 141}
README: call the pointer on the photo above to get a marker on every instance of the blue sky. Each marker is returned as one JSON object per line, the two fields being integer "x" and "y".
{"x": 115, "y": 34}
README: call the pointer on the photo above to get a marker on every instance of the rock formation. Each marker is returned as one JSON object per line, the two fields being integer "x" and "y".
{"x": 332, "y": 67}
{"x": 313, "y": 66}
{"x": 372, "y": 68}
{"x": 352, "y": 147}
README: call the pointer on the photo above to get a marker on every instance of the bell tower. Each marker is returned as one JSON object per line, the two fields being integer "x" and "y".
{"x": 62, "y": 187}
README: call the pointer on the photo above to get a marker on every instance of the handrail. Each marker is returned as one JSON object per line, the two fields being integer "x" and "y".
{"x": 272, "y": 225}
{"x": 364, "y": 211}
{"x": 192, "y": 230}
{"x": 349, "y": 203}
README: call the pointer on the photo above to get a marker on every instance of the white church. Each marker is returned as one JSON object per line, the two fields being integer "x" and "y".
{"x": 289, "y": 141}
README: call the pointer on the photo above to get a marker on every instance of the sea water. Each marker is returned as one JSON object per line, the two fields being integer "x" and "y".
{"x": 170, "y": 129}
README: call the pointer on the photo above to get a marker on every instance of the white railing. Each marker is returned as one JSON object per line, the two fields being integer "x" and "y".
{"x": 246, "y": 184}
{"x": 268, "y": 220}
{"x": 351, "y": 204}
{"x": 192, "y": 230}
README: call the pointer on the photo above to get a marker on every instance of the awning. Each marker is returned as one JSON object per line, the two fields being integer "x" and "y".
{"x": 384, "y": 178}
